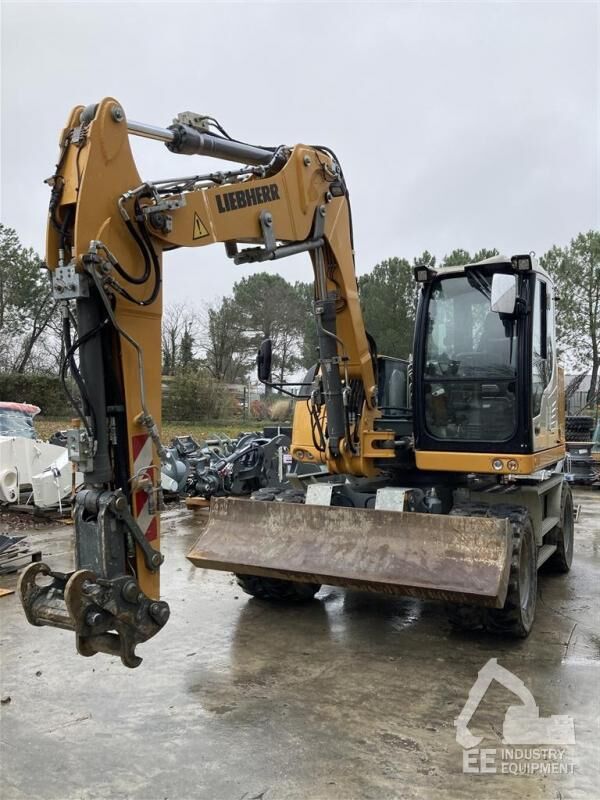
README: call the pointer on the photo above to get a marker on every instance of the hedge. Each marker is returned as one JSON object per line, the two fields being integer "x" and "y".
{"x": 195, "y": 397}
{"x": 191, "y": 397}
{"x": 44, "y": 391}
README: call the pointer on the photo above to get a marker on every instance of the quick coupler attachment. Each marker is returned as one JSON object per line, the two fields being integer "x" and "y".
{"x": 107, "y": 615}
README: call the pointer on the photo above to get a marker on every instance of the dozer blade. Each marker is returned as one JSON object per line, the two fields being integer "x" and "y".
{"x": 456, "y": 559}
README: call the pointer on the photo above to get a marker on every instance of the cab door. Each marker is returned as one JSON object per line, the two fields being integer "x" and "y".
{"x": 544, "y": 369}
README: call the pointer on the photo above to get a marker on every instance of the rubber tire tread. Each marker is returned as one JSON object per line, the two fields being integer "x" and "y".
{"x": 558, "y": 561}
{"x": 277, "y": 589}
{"x": 504, "y": 621}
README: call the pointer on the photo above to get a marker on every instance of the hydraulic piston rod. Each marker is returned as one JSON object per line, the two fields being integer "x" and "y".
{"x": 149, "y": 131}
{"x": 190, "y": 141}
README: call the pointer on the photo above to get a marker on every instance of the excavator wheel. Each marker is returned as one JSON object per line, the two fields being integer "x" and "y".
{"x": 562, "y": 536}
{"x": 465, "y": 618}
{"x": 275, "y": 589}
{"x": 516, "y": 617}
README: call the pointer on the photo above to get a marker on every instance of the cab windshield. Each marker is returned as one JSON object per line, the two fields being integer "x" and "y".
{"x": 470, "y": 362}
{"x": 465, "y": 338}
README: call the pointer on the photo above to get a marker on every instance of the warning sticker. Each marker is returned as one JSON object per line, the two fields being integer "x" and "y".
{"x": 200, "y": 230}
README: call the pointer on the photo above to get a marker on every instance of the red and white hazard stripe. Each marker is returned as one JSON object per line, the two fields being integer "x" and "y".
{"x": 142, "y": 460}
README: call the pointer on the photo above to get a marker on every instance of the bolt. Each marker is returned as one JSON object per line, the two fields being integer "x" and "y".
{"x": 158, "y": 220}
{"x": 93, "y": 618}
{"x": 307, "y": 161}
{"x": 117, "y": 114}
{"x": 130, "y": 591}
{"x": 159, "y": 612}
{"x": 322, "y": 210}
{"x": 120, "y": 502}
{"x": 329, "y": 197}
{"x": 156, "y": 560}
{"x": 268, "y": 219}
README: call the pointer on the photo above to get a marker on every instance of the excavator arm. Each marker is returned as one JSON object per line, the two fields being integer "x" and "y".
{"x": 107, "y": 232}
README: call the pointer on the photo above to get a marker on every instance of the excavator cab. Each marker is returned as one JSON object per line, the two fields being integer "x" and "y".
{"x": 485, "y": 377}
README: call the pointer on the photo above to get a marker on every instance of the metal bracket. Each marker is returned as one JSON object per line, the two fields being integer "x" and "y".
{"x": 271, "y": 252}
{"x": 68, "y": 284}
{"x": 266, "y": 226}
{"x": 152, "y": 558}
{"x": 168, "y": 204}
{"x": 80, "y": 448}
{"x": 390, "y": 498}
{"x": 199, "y": 122}
{"x": 319, "y": 494}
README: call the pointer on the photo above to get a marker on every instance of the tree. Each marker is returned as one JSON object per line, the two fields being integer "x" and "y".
{"x": 227, "y": 352}
{"x": 576, "y": 273}
{"x": 459, "y": 257}
{"x": 179, "y": 334}
{"x": 424, "y": 260}
{"x": 186, "y": 349}
{"x": 305, "y": 295}
{"x": 26, "y": 303}
{"x": 484, "y": 253}
{"x": 269, "y": 309}
{"x": 388, "y": 298}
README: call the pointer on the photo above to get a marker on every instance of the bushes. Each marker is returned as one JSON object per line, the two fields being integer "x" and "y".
{"x": 277, "y": 409}
{"x": 280, "y": 410}
{"x": 259, "y": 409}
{"x": 44, "y": 391}
{"x": 195, "y": 396}
{"x": 189, "y": 396}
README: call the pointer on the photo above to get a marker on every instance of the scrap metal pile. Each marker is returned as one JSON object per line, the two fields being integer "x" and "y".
{"x": 582, "y": 465}
{"x": 15, "y": 552}
{"x": 33, "y": 474}
{"x": 222, "y": 466}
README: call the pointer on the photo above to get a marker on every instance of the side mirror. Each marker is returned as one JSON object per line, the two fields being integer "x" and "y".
{"x": 263, "y": 361}
{"x": 504, "y": 293}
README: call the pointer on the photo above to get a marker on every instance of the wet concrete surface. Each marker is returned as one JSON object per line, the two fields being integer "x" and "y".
{"x": 351, "y": 696}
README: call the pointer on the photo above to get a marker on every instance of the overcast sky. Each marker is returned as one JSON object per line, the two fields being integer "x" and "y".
{"x": 457, "y": 124}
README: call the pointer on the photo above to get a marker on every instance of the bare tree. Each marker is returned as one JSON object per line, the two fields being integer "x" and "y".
{"x": 180, "y": 334}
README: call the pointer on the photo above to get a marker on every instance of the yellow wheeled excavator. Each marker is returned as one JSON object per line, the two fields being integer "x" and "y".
{"x": 439, "y": 479}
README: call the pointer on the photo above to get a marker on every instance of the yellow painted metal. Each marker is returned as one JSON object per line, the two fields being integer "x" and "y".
{"x": 482, "y": 462}
{"x": 95, "y": 175}
{"x": 97, "y": 168}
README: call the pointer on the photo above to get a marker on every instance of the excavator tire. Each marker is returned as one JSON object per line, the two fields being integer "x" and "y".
{"x": 516, "y": 617}
{"x": 465, "y": 618}
{"x": 275, "y": 589}
{"x": 562, "y": 536}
